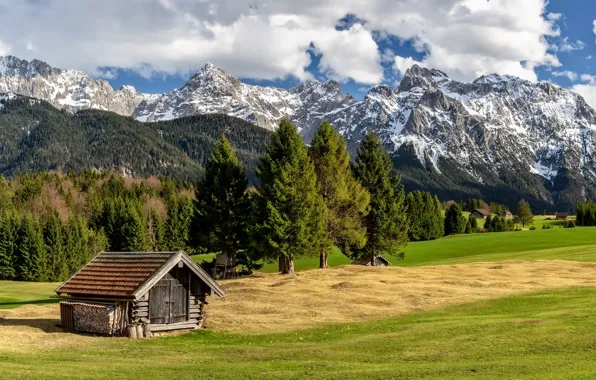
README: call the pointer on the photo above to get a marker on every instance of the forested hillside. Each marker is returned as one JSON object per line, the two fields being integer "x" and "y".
{"x": 35, "y": 137}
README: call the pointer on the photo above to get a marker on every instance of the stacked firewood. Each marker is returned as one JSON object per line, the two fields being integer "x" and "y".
{"x": 92, "y": 318}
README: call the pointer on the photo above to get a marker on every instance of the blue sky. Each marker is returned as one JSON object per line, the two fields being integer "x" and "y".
{"x": 156, "y": 45}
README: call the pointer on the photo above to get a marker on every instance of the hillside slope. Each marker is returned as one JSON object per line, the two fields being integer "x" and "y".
{"x": 35, "y": 136}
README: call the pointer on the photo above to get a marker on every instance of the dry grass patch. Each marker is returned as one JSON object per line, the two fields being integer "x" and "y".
{"x": 274, "y": 303}
{"x": 32, "y": 327}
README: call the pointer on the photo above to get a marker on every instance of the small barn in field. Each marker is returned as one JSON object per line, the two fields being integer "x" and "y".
{"x": 380, "y": 261}
{"x": 561, "y": 216}
{"x": 506, "y": 214}
{"x": 136, "y": 294}
{"x": 480, "y": 213}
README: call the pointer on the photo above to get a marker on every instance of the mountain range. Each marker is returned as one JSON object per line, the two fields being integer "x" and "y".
{"x": 499, "y": 137}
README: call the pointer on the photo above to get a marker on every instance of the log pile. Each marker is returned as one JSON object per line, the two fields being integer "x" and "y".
{"x": 97, "y": 318}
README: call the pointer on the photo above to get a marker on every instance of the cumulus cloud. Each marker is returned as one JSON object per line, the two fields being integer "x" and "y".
{"x": 588, "y": 89}
{"x": 267, "y": 40}
{"x": 566, "y": 46}
{"x": 566, "y": 73}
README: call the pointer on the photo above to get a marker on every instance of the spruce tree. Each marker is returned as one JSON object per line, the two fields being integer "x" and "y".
{"x": 289, "y": 220}
{"x": 346, "y": 201}
{"x": 387, "y": 221}
{"x": 488, "y": 223}
{"x": 425, "y": 216}
{"x": 53, "y": 233}
{"x": 31, "y": 253}
{"x": 156, "y": 231}
{"x": 222, "y": 205}
{"x": 134, "y": 231}
{"x": 455, "y": 222}
{"x": 179, "y": 223}
{"x": 473, "y": 224}
{"x": 524, "y": 214}
{"x": 9, "y": 233}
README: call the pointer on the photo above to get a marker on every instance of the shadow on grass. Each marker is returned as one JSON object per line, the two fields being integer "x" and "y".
{"x": 8, "y": 305}
{"x": 47, "y": 325}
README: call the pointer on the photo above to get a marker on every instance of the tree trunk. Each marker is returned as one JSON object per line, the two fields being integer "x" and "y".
{"x": 372, "y": 259}
{"x": 286, "y": 264}
{"x": 323, "y": 259}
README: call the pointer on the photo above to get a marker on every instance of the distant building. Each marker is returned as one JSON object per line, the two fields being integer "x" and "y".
{"x": 380, "y": 261}
{"x": 506, "y": 214}
{"x": 480, "y": 213}
{"x": 561, "y": 215}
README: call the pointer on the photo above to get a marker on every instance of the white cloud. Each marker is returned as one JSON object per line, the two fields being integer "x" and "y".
{"x": 566, "y": 73}
{"x": 594, "y": 29}
{"x": 267, "y": 40}
{"x": 4, "y": 48}
{"x": 588, "y": 89}
{"x": 567, "y": 47}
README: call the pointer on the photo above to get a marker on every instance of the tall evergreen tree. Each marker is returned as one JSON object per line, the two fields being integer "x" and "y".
{"x": 179, "y": 223}
{"x": 156, "y": 231}
{"x": 31, "y": 253}
{"x": 222, "y": 205}
{"x": 289, "y": 220}
{"x": 134, "y": 231}
{"x": 9, "y": 234}
{"x": 346, "y": 200}
{"x": 455, "y": 222}
{"x": 53, "y": 233}
{"x": 387, "y": 221}
{"x": 523, "y": 214}
{"x": 473, "y": 224}
{"x": 425, "y": 217}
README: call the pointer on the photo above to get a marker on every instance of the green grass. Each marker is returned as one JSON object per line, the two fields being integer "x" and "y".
{"x": 548, "y": 335}
{"x": 15, "y": 293}
{"x": 576, "y": 244}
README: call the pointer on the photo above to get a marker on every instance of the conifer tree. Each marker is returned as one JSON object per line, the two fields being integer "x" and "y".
{"x": 53, "y": 233}
{"x": 179, "y": 223}
{"x": 425, "y": 217}
{"x": 455, "y": 222}
{"x": 9, "y": 233}
{"x": 222, "y": 205}
{"x": 488, "y": 223}
{"x": 156, "y": 231}
{"x": 31, "y": 252}
{"x": 345, "y": 199}
{"x": 289, "y": 219}
{"x": 387, "y": 221}
{"x": 134, "y": 231}
{"x": 523, "y": 214}
{"x": 473, "y": 224}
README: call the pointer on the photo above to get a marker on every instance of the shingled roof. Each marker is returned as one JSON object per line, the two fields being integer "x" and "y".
{"x": 125, "y": 274}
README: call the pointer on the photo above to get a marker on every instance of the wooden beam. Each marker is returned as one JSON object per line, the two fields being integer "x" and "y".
{"x": 174, "y": 326}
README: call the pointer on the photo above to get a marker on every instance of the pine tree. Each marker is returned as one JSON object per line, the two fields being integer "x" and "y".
{"x": 156, "y": 231}
{"x": 455, "y": 222}
{"x": 134, "y": 231}
{"x": 523, "y": 213}
{"x": 53, "y": 233}
{"x": 387, "y": 221}
{"x": 179, "y": 223}
{"x": 473, "y": 224}
{"x": 425, "y": 216}
{"x": 288, "y": 208}
{"x": 31, "y": 252}
{"x": 9, "y": 233}
{"x": 346, "y": 201}
{"x": 222, "y": 205}
{"x": 488, "y": 223}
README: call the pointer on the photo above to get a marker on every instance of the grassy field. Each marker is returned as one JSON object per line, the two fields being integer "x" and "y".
{"x": 14, "y": 293}
{"x": 548, "y": 335}
{"x": 576, "y": 244}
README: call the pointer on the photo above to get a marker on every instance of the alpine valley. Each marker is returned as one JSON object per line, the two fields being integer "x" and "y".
{"x": 499, "y": 138}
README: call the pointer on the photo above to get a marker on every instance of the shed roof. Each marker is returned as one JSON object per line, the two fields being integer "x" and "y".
{"x": 482, "y": 211}
{"x": 366, "y": 260}
{"x": 128, "y": 274}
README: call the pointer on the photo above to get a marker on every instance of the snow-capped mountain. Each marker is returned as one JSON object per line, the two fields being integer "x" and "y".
{"x": 212, "y": 90}
{"x": 498, "y": 137}
{"x": 68, "y": 89}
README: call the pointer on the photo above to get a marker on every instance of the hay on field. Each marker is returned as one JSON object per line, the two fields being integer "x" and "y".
{"x": 276, "y": 303}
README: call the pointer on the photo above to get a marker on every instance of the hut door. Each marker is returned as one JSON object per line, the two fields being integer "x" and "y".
{"x": 168, "y": 299}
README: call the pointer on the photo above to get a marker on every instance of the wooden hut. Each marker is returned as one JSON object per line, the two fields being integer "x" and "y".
{"x": 561, "y": 216}
{"x": 136, "y": 293}
{"x": 380, "y": 261}
{"x": 480, "y": 213}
